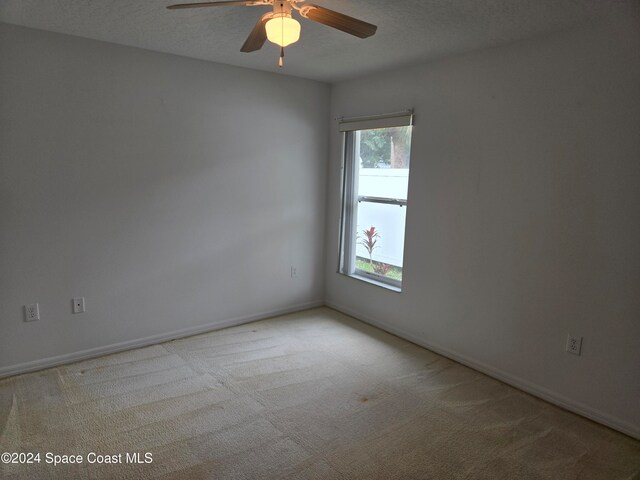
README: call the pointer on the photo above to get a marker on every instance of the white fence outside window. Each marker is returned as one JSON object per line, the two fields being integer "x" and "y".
{"x": 389, "y": 220}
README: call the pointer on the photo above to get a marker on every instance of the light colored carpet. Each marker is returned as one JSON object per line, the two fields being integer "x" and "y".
{"x": 313, "y": 395}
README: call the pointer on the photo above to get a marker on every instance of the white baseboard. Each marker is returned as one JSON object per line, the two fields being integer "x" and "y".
{"x": 520, "y": 383}
{"x": 146, "y": 341}
{"x": 534, "y": 389}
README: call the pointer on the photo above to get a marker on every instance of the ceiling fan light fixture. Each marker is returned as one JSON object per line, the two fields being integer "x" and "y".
{"x": 282, "y": 29}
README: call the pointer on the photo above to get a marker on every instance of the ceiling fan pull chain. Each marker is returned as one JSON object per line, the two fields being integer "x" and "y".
{"x": 280, "y": 62}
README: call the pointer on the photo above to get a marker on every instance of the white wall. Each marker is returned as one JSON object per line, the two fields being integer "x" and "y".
{"x": 172, "y": 193}
{"x": 137, "y": 179}
{"x": 523, "y": 221}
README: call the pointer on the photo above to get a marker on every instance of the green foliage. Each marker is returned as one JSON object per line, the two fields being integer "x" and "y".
{"x": 375, "y": 148}
{"x": 391, "y": 271}
{"x": 385, "y": 147}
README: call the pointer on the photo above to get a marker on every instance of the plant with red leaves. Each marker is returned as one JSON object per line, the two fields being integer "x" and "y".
{"x": 370, "y": 241}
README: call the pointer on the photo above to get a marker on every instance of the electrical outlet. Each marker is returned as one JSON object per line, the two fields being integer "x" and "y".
{"x": 31, "y": 312}
{"x": 78, "y": 304}
{"x": 574, "y": 344}
{"x": 294, "y": 272}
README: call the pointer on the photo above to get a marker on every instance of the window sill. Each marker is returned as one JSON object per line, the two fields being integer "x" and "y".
{"x": 373, "y": 281}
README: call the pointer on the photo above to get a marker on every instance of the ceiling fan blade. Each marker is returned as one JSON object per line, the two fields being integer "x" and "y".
{"x": 337, "y": 20}
{"x": 258, "y": 35}
{"x": 219, "y": 4}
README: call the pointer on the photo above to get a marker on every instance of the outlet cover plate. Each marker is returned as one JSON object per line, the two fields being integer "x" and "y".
{"x": 31, "y": 312}
{"x": 574, "y": 344}
{"x": 78, "y": 304}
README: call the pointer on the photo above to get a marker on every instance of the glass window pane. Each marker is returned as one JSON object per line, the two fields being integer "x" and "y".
{"x": 376, "y": 165}
{"x": 380, "y": 239}
{"x": 384, "y": 162}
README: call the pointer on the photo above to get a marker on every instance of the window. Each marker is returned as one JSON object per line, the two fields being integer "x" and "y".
{"x": 374, "y": 206}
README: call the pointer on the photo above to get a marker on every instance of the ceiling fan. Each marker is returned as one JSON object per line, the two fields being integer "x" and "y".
{"x": 281, "y": 28}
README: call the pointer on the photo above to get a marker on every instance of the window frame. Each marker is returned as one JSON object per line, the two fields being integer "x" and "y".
{"x": 350, "y": 198}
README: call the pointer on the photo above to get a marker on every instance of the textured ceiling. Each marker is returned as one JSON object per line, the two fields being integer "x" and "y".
{"x": 408, "y": 30}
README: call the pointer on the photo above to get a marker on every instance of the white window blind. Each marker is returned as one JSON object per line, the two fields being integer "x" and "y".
{"x": 387, "y": 120}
